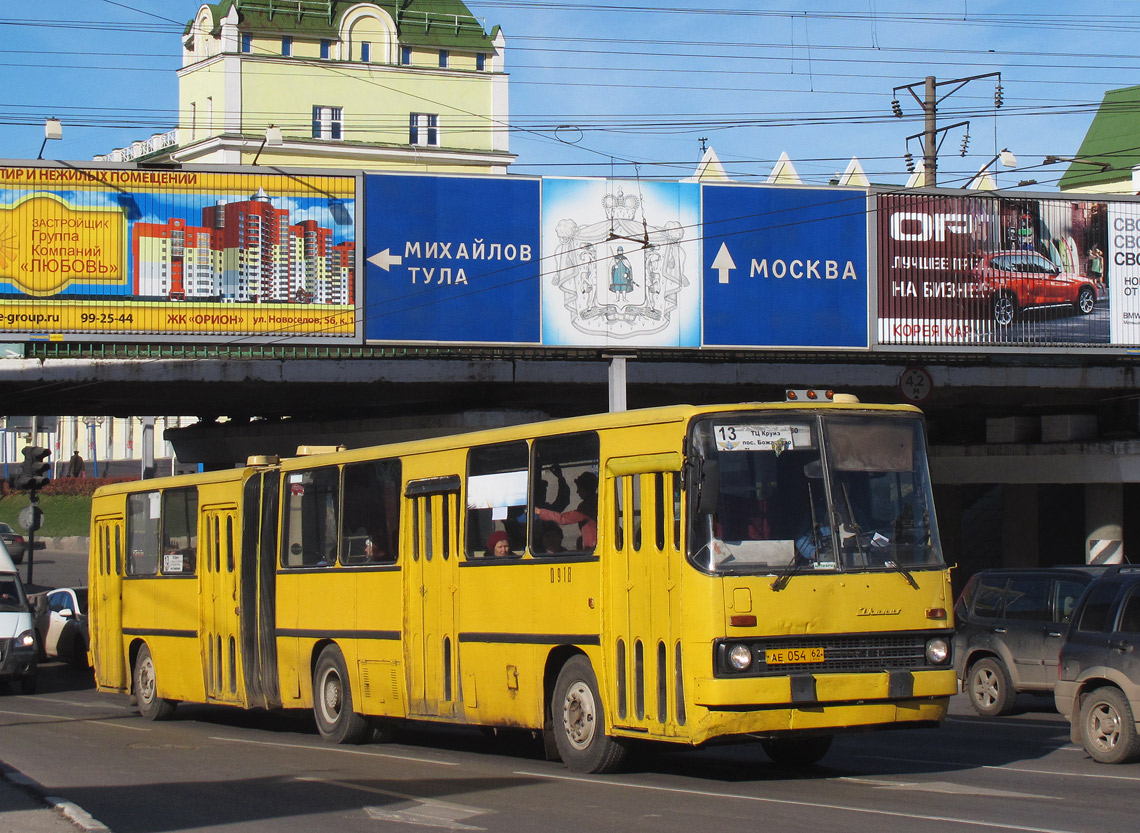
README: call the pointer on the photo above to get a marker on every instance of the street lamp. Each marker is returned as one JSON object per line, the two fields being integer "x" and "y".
{"x": 52, "y": 130}
{"x": 272, "y": 137}
{"x": 92, "y": 422}
{"x": 1007, "y": 159}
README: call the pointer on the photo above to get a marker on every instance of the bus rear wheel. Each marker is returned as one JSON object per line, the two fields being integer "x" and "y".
{"x": 796, "y": 751}
{"x": 151, "y": 706}
{"x": 580, "y": 723}
{"x": 332, "y": 701}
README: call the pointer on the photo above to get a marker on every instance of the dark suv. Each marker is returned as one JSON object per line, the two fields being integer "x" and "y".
{"x": 1009, "y": 628}
{"x": 1099, "y": 686}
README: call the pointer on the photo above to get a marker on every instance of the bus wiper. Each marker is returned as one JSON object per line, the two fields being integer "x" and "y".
{"x": 854, "y": 526}
{"x": 904, "y": 572}
{"x": 790, "y": 569}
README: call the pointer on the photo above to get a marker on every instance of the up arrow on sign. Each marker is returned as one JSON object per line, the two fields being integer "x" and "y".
{"x": 723, "y": 263}
{"x": 385, "y": 260}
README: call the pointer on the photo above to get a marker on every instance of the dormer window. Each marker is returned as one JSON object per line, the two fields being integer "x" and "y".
{"x": 286, "y": 46}
{"x": 443, "y": 56}
{"x": 365, "y": 52}
{"x": 246, "y": 42}
{"x": 326, "y": 48}
{"x": 406, "y": 55}
{"x": 480, "y": 61}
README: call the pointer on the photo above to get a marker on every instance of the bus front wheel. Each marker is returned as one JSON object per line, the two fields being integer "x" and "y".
{"x": 151, "y": 706}
{"x": 580, "y": 723}
{"x": 332, "y": 701}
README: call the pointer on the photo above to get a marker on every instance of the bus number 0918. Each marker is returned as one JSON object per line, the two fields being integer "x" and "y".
{"x": 560, "y": 575}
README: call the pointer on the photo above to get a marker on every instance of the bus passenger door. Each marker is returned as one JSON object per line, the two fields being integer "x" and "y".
{"x": 430, "y": 615}
{"x": 645, "y": 592}
{"x": 106, "y": 605}
{"x": 219, "y": 604}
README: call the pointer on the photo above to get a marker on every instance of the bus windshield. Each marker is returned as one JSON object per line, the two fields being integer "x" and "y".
{"x": 774, "y": 494}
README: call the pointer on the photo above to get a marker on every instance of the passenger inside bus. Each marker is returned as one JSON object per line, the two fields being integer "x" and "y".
{"x": 499, "y": 546}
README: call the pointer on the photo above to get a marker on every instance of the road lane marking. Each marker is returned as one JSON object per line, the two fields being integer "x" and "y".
{"x": 949, "y": 787}
{"x": 994, "y": 825}
{"x": 341, "y": 749}
{"x": 1004, "y": 768}
{"x": 425, "y": 812}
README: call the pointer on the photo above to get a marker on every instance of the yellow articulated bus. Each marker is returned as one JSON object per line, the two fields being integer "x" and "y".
{"x": 680, "y": 574}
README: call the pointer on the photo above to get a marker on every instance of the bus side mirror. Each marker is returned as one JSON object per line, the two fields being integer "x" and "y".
{"x": 708, "y": 486}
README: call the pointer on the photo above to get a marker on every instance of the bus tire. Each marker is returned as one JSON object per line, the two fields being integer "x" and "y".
{"x": 332, "y": 701}
{"x": 579, "y": 721}
{"x": 797, "y": 751}
{"x": 151, "y": 706}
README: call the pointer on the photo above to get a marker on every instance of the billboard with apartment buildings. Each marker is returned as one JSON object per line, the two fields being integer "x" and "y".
{"x": 153, "y": 255}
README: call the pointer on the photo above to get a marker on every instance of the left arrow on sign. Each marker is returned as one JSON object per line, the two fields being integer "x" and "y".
{"x": 385, "y": 260}
{"x": 723, "y": 263}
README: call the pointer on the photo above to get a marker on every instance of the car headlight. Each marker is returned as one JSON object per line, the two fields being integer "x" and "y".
{"x": 740, "y": 657}
{"x": 26, "y": 640}
{"x": 937, "y": 650}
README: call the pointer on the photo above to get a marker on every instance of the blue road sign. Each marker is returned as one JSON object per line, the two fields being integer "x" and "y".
{"x": 784, "y": 267}
{"x": 452, "y": 259}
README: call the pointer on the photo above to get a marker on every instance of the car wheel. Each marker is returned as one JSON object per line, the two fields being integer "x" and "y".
{"x": 79, "y": 653}
{"x": 796, "y": 751}
{"x": 1086, "y": 300}
{"x": 990, "y": 688}
{"x": 1108, "y": 731}
{"x": 1005, "y": 309}
{"x": 332, "y": 701}
{"x": 579, "y": 721}
{"x": 151, "y": 706}
{"x": 28, "y": 684}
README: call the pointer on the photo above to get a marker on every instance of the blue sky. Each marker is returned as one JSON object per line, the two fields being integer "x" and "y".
{"x": 600, "y": 89}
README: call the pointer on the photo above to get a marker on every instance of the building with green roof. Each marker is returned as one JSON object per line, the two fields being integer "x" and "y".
{"x": 416, "y": 85}
{"x": 1111, "y": 148}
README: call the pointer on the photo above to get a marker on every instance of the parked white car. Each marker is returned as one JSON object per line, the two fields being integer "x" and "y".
{"x": 18, "y": 653}
{"x": 61, "y": 622}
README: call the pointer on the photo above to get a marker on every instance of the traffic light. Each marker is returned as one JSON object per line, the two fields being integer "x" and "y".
{"x": 35, "y": 472}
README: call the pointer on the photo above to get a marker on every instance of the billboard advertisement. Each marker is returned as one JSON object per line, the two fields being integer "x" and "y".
{"x": 452, "y": 259}
{"x": 155, "y": 255}
{"x": 621, "y": 263}
{"x": 785, "y": 267}
{"x": 965, "y": 269}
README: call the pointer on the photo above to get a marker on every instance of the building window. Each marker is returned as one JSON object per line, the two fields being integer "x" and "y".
{"x": 326, "y": 48}
{"x": 423, "y": 129}
{"x": 327, "y": 122}
{"x": 480, "y": 61}
{"x": 443, "y": 59}
{"x": 365, "y": 51}
{"x": 286, "y": 46}
{"x": 247, "y": 43}
{"x": 406, "y": 55}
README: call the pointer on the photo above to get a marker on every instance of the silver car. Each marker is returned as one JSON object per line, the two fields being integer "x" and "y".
{"x": 14, "y": 542}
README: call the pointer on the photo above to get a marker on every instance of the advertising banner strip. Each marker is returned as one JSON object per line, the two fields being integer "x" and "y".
{"x": 151, "y": 254}
{"x": 127, "y": 317}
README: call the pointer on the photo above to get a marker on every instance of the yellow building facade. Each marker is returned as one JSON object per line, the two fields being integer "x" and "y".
{"x": 416, "y": 86}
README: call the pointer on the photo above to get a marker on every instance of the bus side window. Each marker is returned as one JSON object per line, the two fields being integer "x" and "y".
{"x": 564, "y": 519}
{"x": 310, "y": 513}
{"x": 496, "y": 496}
{"x": 179, "y": 531}
{"x": 370, "y": 512}
{"x": 143, "y": 516}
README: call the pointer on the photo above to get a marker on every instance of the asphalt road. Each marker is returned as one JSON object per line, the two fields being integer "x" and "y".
{"x": 220, "y": 770}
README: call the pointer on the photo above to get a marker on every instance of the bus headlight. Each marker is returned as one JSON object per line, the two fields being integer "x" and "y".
{"x": 740, "y": 657}
{"x": 937, "y": 650}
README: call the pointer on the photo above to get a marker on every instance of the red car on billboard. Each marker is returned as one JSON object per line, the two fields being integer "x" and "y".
{"x": 1016, "y": 280}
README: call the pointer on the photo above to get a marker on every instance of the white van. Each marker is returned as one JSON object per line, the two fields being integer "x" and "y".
{"x": 17, "y": 630}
